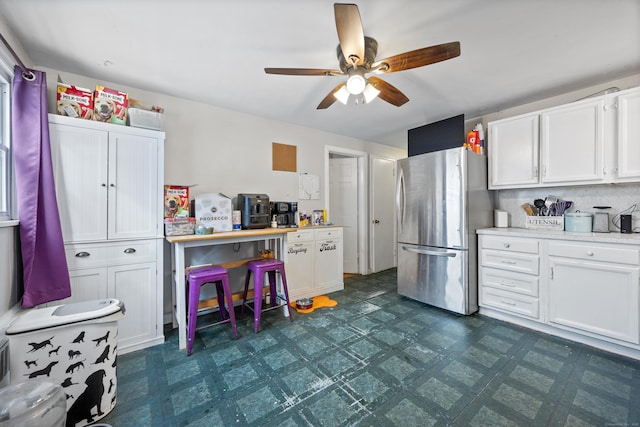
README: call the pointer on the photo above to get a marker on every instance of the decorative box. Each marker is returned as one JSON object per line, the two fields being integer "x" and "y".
{"x": 179, "y": 226}
{"x": 545, "y": 222}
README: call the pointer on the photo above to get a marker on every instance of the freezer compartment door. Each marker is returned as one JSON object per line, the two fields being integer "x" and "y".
{"x": 437, "y": 277}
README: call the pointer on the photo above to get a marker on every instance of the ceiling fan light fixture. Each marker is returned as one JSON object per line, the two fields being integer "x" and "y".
{"x": 370, "y": 93}
{"x": 356, "y": 82}
{"x": 342, "y": 95}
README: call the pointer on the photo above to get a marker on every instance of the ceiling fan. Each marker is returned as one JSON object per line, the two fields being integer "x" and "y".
{"x": 357, "y": 57}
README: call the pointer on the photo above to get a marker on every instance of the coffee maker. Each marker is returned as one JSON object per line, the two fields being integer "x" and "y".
{"x": 285, "y": 213}
{"x": 254, "y": 210}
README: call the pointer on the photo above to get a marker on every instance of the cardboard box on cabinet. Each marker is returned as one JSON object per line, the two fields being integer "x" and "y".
{"x": 213, "y": 210}
{"x": 74, "y": 101}
{"x": 110, "y": 105}
{"x": 176, "y": 201}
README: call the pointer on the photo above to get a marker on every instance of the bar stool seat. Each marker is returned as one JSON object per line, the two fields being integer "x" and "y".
{"x": 195, "y": 279}
{"x": 259, "y": 268}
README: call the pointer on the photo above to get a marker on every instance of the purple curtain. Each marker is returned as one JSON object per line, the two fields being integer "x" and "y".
{"x": 45, "y": 273}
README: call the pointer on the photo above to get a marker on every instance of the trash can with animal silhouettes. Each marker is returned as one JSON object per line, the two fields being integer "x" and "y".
{"x": 74, "y": 345}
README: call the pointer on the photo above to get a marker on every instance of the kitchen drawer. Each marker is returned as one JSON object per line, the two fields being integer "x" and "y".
{"x": 508, "y": 281}
{"x": 512, "y": 261}
{"x": 300, "y": 236}
{"x": 92, "y": 255}
{"x": 510, "y": 301}
{"x": 329, "y": 233}
{"x": 594, "y": 252}
{"x": 510, "y": 244}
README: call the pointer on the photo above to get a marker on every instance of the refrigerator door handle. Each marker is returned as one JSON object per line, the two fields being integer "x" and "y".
{"x": 400, "y": 199}
{"x": 428, "y": 252}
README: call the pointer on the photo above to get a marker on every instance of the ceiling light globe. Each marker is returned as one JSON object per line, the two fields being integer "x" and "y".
{"x": 356, "y": 84}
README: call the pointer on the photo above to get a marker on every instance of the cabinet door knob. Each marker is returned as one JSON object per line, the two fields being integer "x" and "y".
{"x": 83, "y": 254}
{"x": 507, "y": 245}
{"x": 129, "y": 251}
{"x": 103, "y": 185}
{"x": 112, "y": 185}
{"x": 589, "y": 253}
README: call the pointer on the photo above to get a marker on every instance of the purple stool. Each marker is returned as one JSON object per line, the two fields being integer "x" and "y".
{"x": 195, "y": 279}
{"x": 259, "y": 268}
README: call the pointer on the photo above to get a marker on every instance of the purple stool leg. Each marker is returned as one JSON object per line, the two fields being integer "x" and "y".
{"x": 194, "y": 296}
{"x": 273, "y": 292}
{"x": 258, "y": 279}
{"x": 283, "y": 276}
{"x": 229, "y": 300}
{"x": 221, "y": 295}
{"x": 246, "y": 290}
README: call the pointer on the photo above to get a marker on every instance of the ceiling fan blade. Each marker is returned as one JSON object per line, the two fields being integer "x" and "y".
{"x": 388, "y": 92}
{"x": 329, "y": 99}
{"x": 418, "y": 58}
{"x": 303, "y": 71}
{"x": 350, "y": 32}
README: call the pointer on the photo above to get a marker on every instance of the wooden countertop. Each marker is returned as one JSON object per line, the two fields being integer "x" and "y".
{"x": 241, "y": 233}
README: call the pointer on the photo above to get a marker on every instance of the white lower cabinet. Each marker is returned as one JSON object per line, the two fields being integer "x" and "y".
{"x": 126, "y": 271}
{"x": 594, "y": 288}
{"x": 508, "y": 276}
{"x": 313, "y": 262}
{"x": 587, "y": 290}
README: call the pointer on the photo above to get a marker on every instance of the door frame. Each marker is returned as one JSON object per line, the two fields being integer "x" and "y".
{"x": 363, "y": 173}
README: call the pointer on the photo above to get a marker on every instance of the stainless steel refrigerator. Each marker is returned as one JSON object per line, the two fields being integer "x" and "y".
{"x": 441, "y": 198}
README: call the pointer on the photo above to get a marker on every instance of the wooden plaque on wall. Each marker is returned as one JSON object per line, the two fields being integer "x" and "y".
{"x": 284, "y": 157}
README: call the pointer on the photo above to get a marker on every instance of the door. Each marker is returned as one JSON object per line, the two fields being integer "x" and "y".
{"x": 597, "y": 297}
{"x": 134, "y": 285}
{"x": 430, "y": 199}
{"x": 79, "y": 158}
{"x": 133, "y": 171}
{"x": 382, "y": 219}
{"x": 513, "y": 152}
{"x": 435, "y": 276}
{"x": 571, "y": 143}
{"x": 629, "y": 135}
{"x": 344, "y": 206}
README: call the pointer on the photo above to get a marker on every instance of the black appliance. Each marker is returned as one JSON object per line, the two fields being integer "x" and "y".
{"x": 255, "y": 210}
{"x": 285, "y": 213}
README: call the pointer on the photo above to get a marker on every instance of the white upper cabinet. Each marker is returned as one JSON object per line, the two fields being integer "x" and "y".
{"x": 592, "y": 141}
{"x": 106, "y": 183}
{"x": 571, "y": 143}
{"x": 628, "y": 131}
{"x": 513, "y": 159}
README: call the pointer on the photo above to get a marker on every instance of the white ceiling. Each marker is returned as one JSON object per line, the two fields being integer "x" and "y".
{"x": 513, "y": 52}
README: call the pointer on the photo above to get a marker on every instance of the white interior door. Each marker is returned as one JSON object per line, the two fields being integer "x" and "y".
{"x": 382, "y": 225}
{"x": 343, "y": 181}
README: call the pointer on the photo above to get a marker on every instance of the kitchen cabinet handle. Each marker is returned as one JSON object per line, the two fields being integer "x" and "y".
{"x": 129, "y": 251}
{"x": 511, "y": 285}
{"x": 508, "y": 303}
{"x": 507, "y": 245}
{"x": 504, "y": 261}
{"x": 83, "y": 254}
{"x": 589, "y": 253}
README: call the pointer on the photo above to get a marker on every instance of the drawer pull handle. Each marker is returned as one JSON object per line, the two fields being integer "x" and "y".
{"x": 507, "y": 245}
{"x": 589, "y": 253}
{"x": 511, "y": 285}
{"x": 508, "y": 262}
{"x": 508, "y": 303}
{"x": 129, "y": 251}
{"x": 83, "y": 254}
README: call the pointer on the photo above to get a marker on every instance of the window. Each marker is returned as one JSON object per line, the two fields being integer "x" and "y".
{"x": 6, "y": 160}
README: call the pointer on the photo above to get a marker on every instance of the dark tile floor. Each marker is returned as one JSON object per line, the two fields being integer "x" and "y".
{"x": 376, "y": 359}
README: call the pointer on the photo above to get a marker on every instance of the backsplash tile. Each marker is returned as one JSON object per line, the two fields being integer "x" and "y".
{"x": 619, "y": 196}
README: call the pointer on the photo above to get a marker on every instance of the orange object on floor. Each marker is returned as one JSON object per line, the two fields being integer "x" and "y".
{"x": 318, "y": 302}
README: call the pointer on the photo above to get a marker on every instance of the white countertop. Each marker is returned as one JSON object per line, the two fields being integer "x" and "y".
{"x": 611, "y": 237}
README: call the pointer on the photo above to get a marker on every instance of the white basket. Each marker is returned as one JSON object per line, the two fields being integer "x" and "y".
{"x": 145, "y": 119}
{"x": 545, "y": 222}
